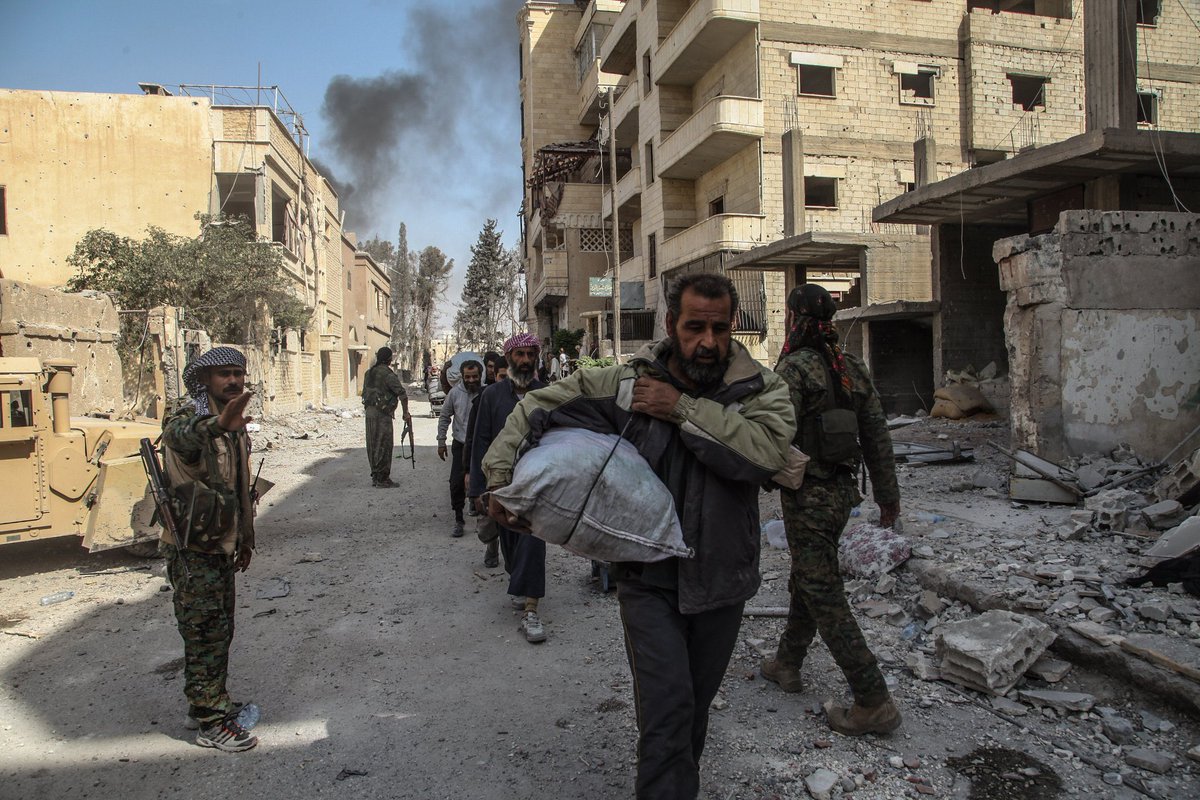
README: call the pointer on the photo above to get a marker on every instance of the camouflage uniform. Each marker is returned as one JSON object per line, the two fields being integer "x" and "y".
{"x": 814, "y": 517}
{"x": 204, "y": 602}
{"x": 381, "y": 386}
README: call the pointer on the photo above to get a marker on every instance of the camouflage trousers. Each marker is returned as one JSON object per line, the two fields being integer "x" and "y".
{"x": 204, "y": 605}
{"x": 379, "y": 443}
{"x": 814, "y": 517}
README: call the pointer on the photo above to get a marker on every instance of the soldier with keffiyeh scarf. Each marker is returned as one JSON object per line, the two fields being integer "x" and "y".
{"x": 827, "y": 384}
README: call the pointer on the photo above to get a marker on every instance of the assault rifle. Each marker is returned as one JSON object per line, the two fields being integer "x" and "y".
{"x": 411, "y": 455}
{"x": 162, "y": 499}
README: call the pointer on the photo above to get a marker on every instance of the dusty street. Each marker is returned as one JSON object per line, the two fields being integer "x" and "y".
{"x": 393, "y": 668}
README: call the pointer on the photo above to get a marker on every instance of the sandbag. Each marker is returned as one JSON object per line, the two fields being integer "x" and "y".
{"x": 630, "y": 515}
{"x": 968, "y": 398}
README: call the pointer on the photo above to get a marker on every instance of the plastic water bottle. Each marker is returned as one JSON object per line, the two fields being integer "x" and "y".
{"x": 249, "y": 715}
{"x": 856, "y": 511}
{"x": 57, "y": 597}
{"x": 925, "y": 516}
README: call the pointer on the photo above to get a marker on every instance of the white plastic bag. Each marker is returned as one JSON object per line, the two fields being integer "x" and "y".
{"x": 776, "y": 534}
{"x": 629, "y": 516}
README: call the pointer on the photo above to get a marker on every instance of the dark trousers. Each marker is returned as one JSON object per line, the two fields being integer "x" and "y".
{"x": 677, "y": 661}
{"x": 525, "y": 563}
{"x": 204, "y": 605}
{"x": 379, "y": 444}
{"x": 814, "y": 518}
{"x": 458, "y": 492}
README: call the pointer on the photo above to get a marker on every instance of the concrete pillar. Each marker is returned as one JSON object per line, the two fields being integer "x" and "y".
{"x": 793, "y": 183}
{"x": 1110, "y": 64}
{"x": 924, "y": 161}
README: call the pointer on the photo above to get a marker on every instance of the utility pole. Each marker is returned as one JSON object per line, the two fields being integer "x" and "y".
{"x": 616, "y": 237}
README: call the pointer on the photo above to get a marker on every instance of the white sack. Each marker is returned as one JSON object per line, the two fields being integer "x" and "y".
{"x": 630, "y": 515}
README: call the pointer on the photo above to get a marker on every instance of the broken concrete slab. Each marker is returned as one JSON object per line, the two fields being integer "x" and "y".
{"x": 1010, "y": 707}
{"x": 1049, "y": 669}
{"x": 1113, "y": 507}
{"x": 1182, "y": 481}
{"x": 1163, "y": 515}
{"x": 1059, "y": 701}
{"x": 991, "y": 652}
{"x": 1096, "y": 633}
{"x": 1151, "y": 760}
{"x": 1178, "y": 541}
{"x": 1118, "y": 730}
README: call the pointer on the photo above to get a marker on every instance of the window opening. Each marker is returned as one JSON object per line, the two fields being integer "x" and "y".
{"x": 716, "y": 206}
{"x": 816, "y": 81}
{"x": 1148, "y": 12}
{"x": 1028, "y": 91}
{"x": 820, "y": 192}
{"x": 19, "y": 408}
{"x": 1147, "y": 108}
{"x": 917, "y": 89}
{"x": 647, "y": 80}
{"x": 3, "y": 216}
{"x": 649, "y": 163}
{"x": 652, "y": 254}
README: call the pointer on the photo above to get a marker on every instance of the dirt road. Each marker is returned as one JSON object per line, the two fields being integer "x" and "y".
{"x": 394, "y": 668}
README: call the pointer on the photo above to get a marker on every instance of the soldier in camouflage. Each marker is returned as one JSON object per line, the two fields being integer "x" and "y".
{"x": 840, "y": 425}
{"x": 382, "y": 391}
{"x": 207, "y": 462}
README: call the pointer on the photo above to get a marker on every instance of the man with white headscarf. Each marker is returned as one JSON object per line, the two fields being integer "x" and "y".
{"x": 206, "y": 458}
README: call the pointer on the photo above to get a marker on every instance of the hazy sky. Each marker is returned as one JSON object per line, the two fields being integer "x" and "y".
{"x": 413, "y": 103}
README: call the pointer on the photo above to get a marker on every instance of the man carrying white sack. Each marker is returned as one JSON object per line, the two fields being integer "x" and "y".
{"x": 714, "y": 426}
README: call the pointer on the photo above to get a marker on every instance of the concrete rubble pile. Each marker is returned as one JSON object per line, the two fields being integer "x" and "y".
{"x": 991, "y": 652}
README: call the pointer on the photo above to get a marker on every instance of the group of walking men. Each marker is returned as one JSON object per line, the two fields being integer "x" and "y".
{"x": 716, "y": 428}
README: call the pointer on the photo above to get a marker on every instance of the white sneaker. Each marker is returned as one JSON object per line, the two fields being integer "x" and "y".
{"x": 534, "y": 632}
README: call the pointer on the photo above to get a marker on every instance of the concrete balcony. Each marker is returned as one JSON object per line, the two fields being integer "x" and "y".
{"x": 593, "y": 87}
{"x": 736, "y": 232}
{"x": 618, "y": 54}
{"x": 722, "y": 127}
{"x": 632, "y": 267}
{"x": 599, "y": 12}
{"x": 627, "y": 114}
{"x": 629, "y": 196}
{"x": 708, "y": 31}
{"x": 549, "y": 283}
{"x": 533, "y": 231}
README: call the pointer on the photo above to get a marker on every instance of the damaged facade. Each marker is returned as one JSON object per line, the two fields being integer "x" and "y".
{"x": 762, "y": 133}
{"x": 74, "y": 162}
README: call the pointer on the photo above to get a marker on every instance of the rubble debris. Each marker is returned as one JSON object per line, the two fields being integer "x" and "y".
{"x": 1163, "y": 515}
{"x": 1117, "y": 730}
{"x": 1153, "y": 722}
{"x": 867, "y": 550}
{"x": 1050, "y": 670}
{"x": 916, "y": 453}
{"x": 991, "y": 652}
{"x": 1096, "y": 633}
{"x": 820, "y": 784}
{"x": 1112, "y": 507}
{"x": 1150, "y": 760}
{"x": 1178, "y": 541}
{"x": 1183, "y": 570}
{"x": 1181, "y": 482}
{"x": 1059, "y": 701}
{"x": 1038, "y": 480}
{"x": 273, "y": 589}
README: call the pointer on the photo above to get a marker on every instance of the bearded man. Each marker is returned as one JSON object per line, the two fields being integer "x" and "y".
{"x": 524, "y": 556}
{"x": 714, "y": 426}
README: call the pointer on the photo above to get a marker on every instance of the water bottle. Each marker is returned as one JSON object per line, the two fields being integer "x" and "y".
{"x": 57, "y": 597}
{"x": 249, "y": 715}
{"x": 910, "y": 630}
{"x": 925, "y": 516}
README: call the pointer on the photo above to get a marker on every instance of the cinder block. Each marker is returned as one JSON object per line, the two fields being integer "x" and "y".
{"x": 991, "y": 652}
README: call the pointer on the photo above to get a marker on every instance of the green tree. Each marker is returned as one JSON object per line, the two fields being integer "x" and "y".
{"x": 227, "y": 282}
{"x": 564, "y": 339}
{"x": 429, "y": 286}
{"x": 488, "y": 291}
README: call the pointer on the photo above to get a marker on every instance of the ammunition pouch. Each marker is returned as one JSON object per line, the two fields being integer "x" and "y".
{"x": 205, "y": 515}
{"x": 830, "y": 438}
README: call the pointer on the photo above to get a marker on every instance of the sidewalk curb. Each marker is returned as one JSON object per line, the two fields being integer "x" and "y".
{"x": 1141, "y": 675}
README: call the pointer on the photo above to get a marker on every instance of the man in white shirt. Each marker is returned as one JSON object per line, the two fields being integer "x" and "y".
{"x": 457, "y": 407}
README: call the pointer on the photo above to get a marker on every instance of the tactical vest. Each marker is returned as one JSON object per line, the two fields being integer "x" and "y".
{"x": 830, "y": 437}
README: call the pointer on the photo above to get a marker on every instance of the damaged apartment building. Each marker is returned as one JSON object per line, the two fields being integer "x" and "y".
{"x": 72, "y": 162}
{"x": 756, "y": 138}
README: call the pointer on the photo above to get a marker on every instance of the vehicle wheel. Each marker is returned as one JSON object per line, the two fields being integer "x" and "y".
{"x": 147, "y": 549}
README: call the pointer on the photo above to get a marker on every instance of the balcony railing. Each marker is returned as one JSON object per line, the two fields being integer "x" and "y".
{"x": 629, "y": 188}
{"x": 618, "y": 54}
{"x": 723, "y": 126}
{"x": 735, "y": 232}
{"x": 708, "y": 31}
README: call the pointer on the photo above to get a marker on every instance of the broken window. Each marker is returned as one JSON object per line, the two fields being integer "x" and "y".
{"x": 1147, "y": 108}
{"x": 820, "y": 192}
{"x": 652, "y": 254}
{"x": 1028, "y": 91}
{"x": 1041, "y": 8}
{"x": 816, "y": 80}
{"x": 238, "y": 192}
{"x": 916, "y": 88}
{"x": 716, "y": 206}
{"x": 1148, "y": 12}
{"x": 3, "y": 214}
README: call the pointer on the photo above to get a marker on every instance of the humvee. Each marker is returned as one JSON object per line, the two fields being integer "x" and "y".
{"x": 68, "y": 476}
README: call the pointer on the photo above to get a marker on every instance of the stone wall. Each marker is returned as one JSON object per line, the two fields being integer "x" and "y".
{"x": 45, "y": 323}
{"x": 1103, "y": 332}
